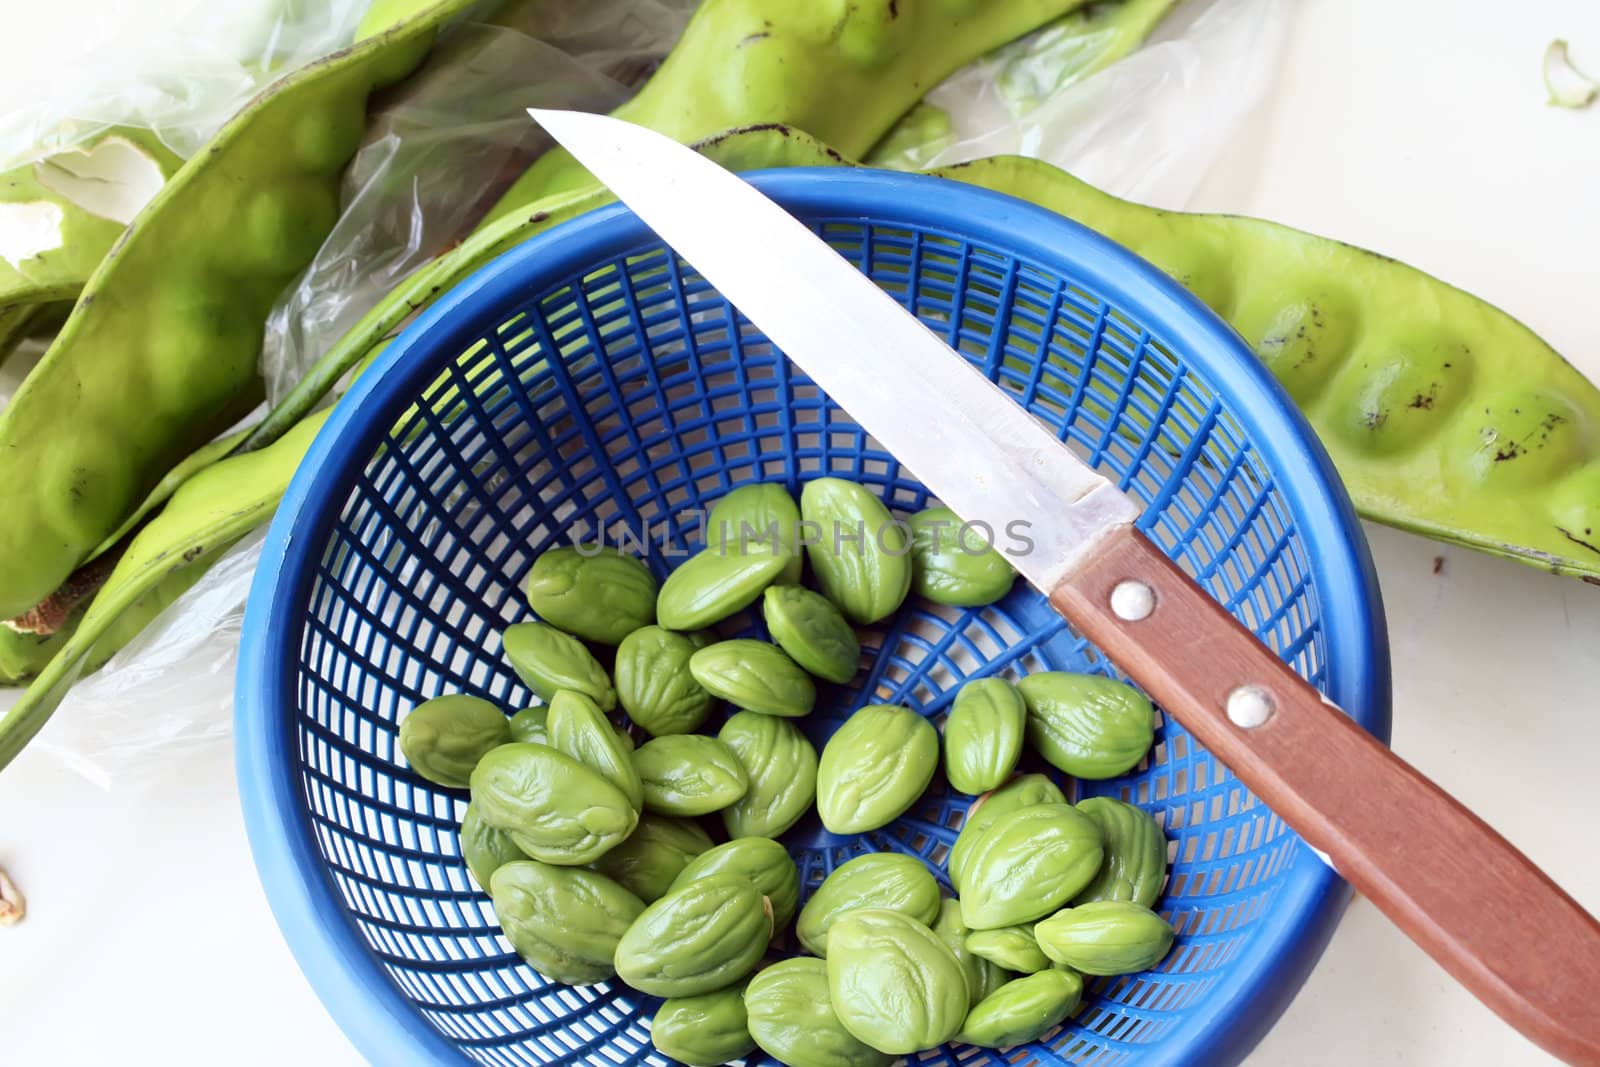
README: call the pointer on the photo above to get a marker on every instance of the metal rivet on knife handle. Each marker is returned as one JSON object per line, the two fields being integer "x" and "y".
{"x": 1133, "y": 600}
{"x": 1249, "y": 706}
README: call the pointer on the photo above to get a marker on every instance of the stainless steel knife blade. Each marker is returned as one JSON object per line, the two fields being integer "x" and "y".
{"x": 874, "y": 358}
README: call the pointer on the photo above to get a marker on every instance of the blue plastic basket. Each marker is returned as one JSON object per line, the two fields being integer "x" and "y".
{"x": 589, "y": 379}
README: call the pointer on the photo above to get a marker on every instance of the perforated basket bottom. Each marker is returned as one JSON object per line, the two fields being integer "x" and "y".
{"x": 630, "y": 400}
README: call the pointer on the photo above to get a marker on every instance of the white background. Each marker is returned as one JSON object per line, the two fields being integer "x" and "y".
{"x": 1417, "y": 128}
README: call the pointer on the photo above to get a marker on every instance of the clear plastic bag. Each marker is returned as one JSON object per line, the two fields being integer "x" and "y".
{"x": 199, "y": 65}
{"x": 1147, "y": 126}
{"x": 191, "y": 74}
{"x": 447, "y": 143}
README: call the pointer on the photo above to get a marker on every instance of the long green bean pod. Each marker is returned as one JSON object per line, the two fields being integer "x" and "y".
{"x": 159, "y": 354}
{"x": 206, "y": 516}
{"x": 845, "y": 71}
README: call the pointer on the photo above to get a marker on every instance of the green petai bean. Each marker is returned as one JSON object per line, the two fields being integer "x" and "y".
{"x": 810, "y": 629}
{"x": 761, "y": 515}
{"x": 791, "y": 1017}
{"x": 485, "y": 849}
{"x": 953, "y": 563}
{"x": 782, "y": 766}
{"x": 653, "y": 856}
{"x": 874, "y": 768}
{"x": 986, "y": 810}
{"x": 1087, "y": 725}
{"x": 762, "y": 862}
{"x": 689, "y": 775}
{"x": 982, "y": 976}
{"x": 885, "y": 880}
{"x": 983, "y": 735}
{"x": 655, "y": 685}
{"x": 705, "y": 1030}
{"x": 710, "y": 586}
{"x": 564, "y": 921}
{"x": 593, "y": 592}
{"x": 531, "y": 724}
{"x": 1029, "y": 863}
{"x": 577, "y": 727}
{"x": 754, "y": 676}
{"x": 1023, "y": 1010}
{"x": 1013, "y": 948}
{"x": 444, "y": 738}
{"x": 160, "y": 354}
{"x": 182, "y": 547}
{"x": 894, "y": 983}
{"x": 553, "y": 807}
{"x": 1135, "y": 863}
{"x": 1106, "y": 937}
{"x": 860, "y": 553}
{"x": 549, "y": 660}
{"x": 704, "y": 935}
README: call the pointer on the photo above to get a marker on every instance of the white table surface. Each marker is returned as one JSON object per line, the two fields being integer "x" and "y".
{"x": 1418, "y": 129}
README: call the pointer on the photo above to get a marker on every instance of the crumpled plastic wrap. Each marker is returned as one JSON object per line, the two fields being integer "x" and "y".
{"x": 1146, "y": 127}
{"x": 449, "y": 141}
{"x": 203, "y": 61}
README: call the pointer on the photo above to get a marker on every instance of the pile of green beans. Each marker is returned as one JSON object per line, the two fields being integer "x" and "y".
{"x": 587, "y": 815}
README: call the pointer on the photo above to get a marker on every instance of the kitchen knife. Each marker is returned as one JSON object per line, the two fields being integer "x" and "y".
{"x": 1459, "y": 890}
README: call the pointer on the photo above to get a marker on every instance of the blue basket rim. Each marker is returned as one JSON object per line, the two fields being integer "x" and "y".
{"x": 361, "y": 997}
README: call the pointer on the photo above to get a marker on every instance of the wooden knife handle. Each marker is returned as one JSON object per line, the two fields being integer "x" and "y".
{"x": 1479, "y": 907}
